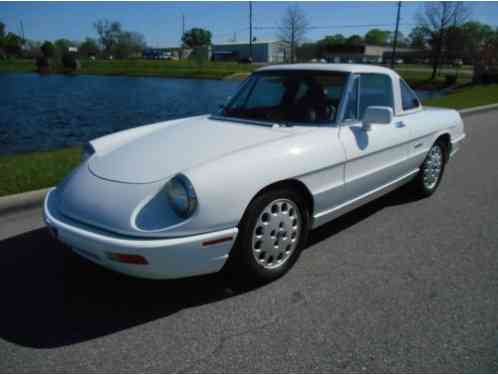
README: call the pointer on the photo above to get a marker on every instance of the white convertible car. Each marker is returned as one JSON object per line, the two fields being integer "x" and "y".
{"x": 296, "y": 147}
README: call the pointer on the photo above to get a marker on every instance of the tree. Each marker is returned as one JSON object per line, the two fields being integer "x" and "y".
{"x": 69, "y": 61}
{"x": 61, "y": 47}
{"x": 480, "y": 44}
{"x": 88, "y": 48}
{"x": 418, "y": 38}
{"x": 435, "y": 21}
{"x": 455, "y": 49}
{"x": 2, "y": 36}
{"x": 32, "y": 49}
{"x": 489, "y": 55}
{"x": 377, "y": 37}
{"x": 475, "y": 35}
{"x": 328, "y": 43}
{"x": 129, "y": 43}
{"x": 293, "y": 27}
{"x": 48, "y": 49}
{"x": 197, "y": 37}
{"x": 308, "y": 51}
{"x": 354, "y": 40}
{"x": 12, "y": 44}
{"x": 332, "y": 40}
{"x": 109, "y": 34}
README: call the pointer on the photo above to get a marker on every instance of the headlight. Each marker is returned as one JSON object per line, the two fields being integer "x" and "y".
{"x": 181, "y": 196}
{"x": 87, "y": 151}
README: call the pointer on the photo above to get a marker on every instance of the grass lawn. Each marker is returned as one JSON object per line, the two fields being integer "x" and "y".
{"x": 141, "y": 67}
{"x": 181, "y": 69}
{"x": 421, "y": 79}
{"x": 467, "y": 97}
{"x": 36, "y": 170}
{"x": 21, "y": 66}
{"x": 418, "y": 78}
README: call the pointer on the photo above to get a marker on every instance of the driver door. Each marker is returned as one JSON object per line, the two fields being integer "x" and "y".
{"x": 377, "y": 157}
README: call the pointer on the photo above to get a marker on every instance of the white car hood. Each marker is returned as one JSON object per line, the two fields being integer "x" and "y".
{"x": 175, "y": 147}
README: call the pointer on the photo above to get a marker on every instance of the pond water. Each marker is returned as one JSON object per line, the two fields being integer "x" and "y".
{"x": 52, "y": 111}
{"x": 42, "y": 112}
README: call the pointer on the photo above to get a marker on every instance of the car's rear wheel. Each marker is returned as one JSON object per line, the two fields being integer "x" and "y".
{"x": 271, "y": 235}
{"x": 431, "y": 171}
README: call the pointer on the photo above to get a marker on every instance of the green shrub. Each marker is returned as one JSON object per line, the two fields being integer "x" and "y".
{"x": 69, "y": 62}
{"x": 450, "y": 79}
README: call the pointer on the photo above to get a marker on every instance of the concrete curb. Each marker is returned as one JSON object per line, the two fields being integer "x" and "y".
{"x": 17, "y": 202}
{"x": 474, "y": 110}
{"x": 22, "y": 201}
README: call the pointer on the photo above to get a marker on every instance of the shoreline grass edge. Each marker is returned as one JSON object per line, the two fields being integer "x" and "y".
{"x": 37, "y": 170}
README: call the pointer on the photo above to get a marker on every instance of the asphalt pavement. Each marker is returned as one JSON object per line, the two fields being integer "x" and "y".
{"x": 400, "y": 285}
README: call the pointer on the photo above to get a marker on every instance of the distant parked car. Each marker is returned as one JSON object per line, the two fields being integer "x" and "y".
{"x": 296, "y": 147}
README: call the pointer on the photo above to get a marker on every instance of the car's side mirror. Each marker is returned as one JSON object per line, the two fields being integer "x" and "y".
{"x": 376, "y": 115}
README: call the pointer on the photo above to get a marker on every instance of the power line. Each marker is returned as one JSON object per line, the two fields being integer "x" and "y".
{"x": 336, "y": 26}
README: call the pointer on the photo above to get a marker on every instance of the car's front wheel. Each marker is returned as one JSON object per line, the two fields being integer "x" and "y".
{"x": 271, "y": 235}
{"x": 431, "y": 171}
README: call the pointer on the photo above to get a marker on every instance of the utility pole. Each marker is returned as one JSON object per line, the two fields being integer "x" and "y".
{"x": 395, "y": 41}
{"x": 250, "y": 30}
{"x": 292, "y": 43}
{"x": 22, "y": 31}
{"x": 183, "y": 33}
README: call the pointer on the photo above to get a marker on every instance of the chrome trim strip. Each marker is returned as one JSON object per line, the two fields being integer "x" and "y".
{"x": 242, "y": 120}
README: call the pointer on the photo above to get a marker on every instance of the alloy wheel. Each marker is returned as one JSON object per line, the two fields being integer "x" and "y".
{"x": 433, "y": 167}
{"x": 276, "y": 233}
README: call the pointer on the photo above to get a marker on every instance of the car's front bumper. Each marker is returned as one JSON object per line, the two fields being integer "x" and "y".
{"x": 166, "y": 258}
{"x": 456, "y": 144}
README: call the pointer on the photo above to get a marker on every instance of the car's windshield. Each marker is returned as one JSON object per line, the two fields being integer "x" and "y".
{"x": 299, "y": 97}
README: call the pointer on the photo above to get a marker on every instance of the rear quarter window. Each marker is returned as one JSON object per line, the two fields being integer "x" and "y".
{"x": 409, "y": 100}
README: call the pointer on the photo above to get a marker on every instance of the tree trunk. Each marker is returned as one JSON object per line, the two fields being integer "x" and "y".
{"x": 435, "y": 64}
{"x": 437, "y": 56}
{"x": 292, "y": 44}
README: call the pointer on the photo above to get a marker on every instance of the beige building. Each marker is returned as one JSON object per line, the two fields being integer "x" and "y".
{"x": 363, "y": 53}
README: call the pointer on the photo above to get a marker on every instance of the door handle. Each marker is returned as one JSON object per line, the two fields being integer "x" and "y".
{"x": 400, "y": 124}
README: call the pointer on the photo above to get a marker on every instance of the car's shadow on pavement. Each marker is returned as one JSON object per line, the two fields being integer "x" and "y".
{"x": 52, "y": 298}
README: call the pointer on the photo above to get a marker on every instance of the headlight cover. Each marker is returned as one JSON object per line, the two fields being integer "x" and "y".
{"x": 87, "y": 151}
{"x": 181, "y": 196}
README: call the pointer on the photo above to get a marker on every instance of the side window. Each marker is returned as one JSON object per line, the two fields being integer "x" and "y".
{"x": 408, "y": 98}
{"x": 375, "y": 89}
{"x": 240, "y": 99}
{"x": 351, "y": 111}
{"x": 267, "y": 93}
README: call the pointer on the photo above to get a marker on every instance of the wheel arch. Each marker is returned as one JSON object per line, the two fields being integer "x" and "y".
{"x": 445, "y": 139}
{"x": 294, "y": 184}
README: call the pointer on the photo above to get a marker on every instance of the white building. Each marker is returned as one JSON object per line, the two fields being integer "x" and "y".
{"x": 262, "y": 51}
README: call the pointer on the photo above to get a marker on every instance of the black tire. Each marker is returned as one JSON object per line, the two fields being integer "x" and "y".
{"x": 242, "y": 262}
{"x": 421, "y": 187}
